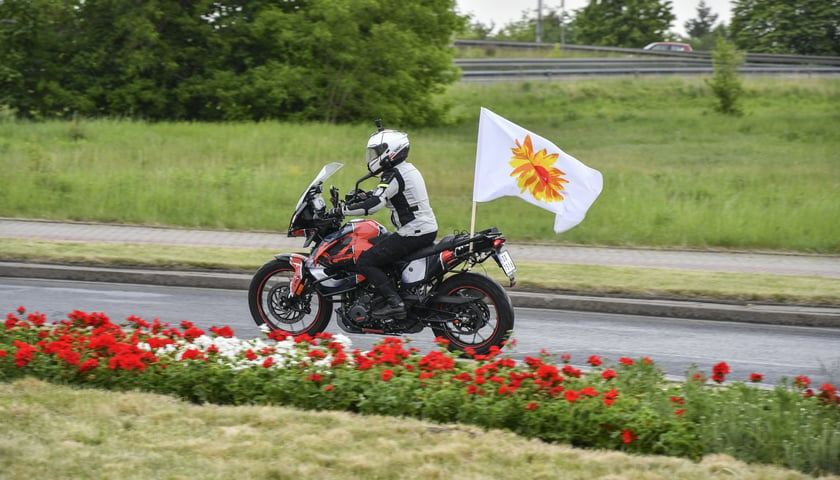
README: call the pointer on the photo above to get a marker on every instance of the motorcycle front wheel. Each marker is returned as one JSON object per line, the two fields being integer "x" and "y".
{"x": 484, "y": 322}
{"x": 271, "y": 305}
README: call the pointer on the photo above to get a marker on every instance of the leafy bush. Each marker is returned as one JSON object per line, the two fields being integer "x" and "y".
{"x": 623, "y": 406}
{"x": 725, "y": 83}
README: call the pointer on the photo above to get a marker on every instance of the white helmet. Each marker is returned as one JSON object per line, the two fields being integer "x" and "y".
{"x": 385, "y": 149}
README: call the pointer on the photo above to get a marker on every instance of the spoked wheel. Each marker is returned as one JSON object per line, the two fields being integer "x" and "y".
{"x": 268, "y": 298}
{"x": 485, "y": 321}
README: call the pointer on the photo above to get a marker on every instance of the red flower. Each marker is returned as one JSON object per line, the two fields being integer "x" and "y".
{"x": 127, "y": 361}
{"x": 436, "y": 360}
{"x": 679, "y": 400}
{"x": 88, "y": 364}
{"x": 155, "y": 342}
{"x": 277, "y": 335}
{"x": 756, "y": 377}
{"x": 549, "y": 372}
{"x": 609, "y": 397}
{"x": 316, "y": 354}
{"x": 589, "y": 392}
{"x": 719, "y": 372}
{"x": 627, "y": 436}
{"x": 802, "y": 381}
{"x": 626, "y": 361}
{"x": 193, "y": 332}
{"x": 387, "y": 374}
{"x": 314, "y": 377}
{"x": 24, "y": 354}
{"x": 329, "y": 387}
{"x": 608, "y": 374}
{"x": 571, "y": 395}
{"x": 192, "y": 354}
{"x": 250, "y": 355}
{"x": 268, "y": 362}
{"x": 473, "y": 390}
{"x": 532, "y": 406}
{"x": 679, "y": 412}
{"x": 225, "y": 332}
{"x": 594, "y": 360}
{"x": 566, "y": 358}
{"x": 828, "y": 392}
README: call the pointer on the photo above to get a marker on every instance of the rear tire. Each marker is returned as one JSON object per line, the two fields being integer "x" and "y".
{"x": 483, "y": 323}
{"x": 268, "y": 299}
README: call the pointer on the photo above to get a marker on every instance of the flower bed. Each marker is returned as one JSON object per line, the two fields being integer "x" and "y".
{"x": 626, "y": 406}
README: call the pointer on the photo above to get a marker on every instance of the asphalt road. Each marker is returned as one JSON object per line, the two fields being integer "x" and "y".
{"x": 775, "y": 351}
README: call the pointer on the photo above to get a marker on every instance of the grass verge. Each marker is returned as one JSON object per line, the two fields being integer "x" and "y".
{"x": 87, "y": 434}
{"x": 584, "y": 279}
{"x": 675, "y": 173}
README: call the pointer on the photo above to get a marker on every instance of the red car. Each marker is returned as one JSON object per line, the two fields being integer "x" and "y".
{"x": 669, "y": 46}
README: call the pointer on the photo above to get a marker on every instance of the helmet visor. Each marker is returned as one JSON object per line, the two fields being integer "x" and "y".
{"x": 376, "y": 151}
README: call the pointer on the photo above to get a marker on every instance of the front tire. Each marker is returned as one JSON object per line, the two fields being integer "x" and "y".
{"x": 270, "y": 304}
{"x": 485, "y": 322}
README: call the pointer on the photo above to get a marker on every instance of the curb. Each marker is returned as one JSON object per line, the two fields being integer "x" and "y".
{"x": 805, "y": 316}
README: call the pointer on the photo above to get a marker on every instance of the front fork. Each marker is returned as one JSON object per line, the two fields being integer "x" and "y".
{"x": 296, "y": 284}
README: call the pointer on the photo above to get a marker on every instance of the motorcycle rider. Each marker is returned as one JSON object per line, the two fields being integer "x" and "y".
{"x": 403, "y": 190}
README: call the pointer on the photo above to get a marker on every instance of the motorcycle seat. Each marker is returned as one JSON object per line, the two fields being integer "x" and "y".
{"x": 446, "y": 243}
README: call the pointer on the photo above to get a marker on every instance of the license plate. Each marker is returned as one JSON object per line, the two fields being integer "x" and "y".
{"x": 507, "y": 263}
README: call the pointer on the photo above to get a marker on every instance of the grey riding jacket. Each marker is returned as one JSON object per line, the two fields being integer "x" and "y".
{"x": 403, "y": 190}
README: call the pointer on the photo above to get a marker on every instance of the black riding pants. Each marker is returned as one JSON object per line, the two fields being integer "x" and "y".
{"x": 385, "y": 252}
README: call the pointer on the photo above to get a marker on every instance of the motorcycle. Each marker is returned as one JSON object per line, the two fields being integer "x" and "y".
{"x": 297, "y": 292}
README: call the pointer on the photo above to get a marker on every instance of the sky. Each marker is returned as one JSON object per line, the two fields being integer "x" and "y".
{"x": 502, "y": 12}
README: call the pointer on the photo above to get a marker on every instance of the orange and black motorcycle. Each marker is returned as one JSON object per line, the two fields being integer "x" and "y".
{"x": 297, "y": 293}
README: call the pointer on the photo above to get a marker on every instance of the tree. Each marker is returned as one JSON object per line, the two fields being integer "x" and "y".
{"x": 475, "y": 30}
{"x": 805, "y": 27}
{"x": 524, "y": 30}
{"x": 725, "y": 83}
{"x": 702, "y": 25}
{"x": 322, "y": 60}
{"x": 623, "y": 23}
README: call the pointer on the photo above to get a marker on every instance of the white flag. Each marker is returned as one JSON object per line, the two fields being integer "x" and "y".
{"x": 511, "y": 161}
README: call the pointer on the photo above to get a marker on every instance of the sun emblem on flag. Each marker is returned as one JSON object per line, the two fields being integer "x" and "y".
{"x": 535, "y": 172}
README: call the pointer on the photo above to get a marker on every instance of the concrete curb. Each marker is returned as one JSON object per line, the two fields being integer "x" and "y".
{"x": 746, "y": 313}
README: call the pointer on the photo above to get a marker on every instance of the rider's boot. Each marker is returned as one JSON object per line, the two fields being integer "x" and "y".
{"x": 393, "y": 308}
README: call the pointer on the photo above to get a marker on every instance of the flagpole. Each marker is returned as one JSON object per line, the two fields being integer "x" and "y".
{"x": 472, "y": 224}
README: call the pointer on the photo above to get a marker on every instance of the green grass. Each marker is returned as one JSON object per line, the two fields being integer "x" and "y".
{"x": 91, "y": 434}
{"x": 675, "y": 173}
{"x": 581, "y": 279}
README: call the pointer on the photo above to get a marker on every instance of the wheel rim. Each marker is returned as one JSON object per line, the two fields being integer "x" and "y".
{"x": 475, "y": 322}
{"x": 279, "y": 312}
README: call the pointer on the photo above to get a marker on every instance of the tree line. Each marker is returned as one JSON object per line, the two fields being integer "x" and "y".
{"x": 228, "y": 60}
{"x": 800, "y": 27}
{"x": 319, "y": 60}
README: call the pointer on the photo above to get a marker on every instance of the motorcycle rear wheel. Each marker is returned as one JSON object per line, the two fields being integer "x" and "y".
{"x": 270, "y": 304}
{"x": 480, "y": 324}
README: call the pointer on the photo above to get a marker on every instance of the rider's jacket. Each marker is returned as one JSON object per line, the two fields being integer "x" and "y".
{"x": 402, "y": 190}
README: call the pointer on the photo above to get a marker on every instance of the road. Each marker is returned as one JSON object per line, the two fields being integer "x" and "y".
{"x": 775, "y": 351}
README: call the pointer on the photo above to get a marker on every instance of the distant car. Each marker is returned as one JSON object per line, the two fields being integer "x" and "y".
{"x": 669, "y": 46}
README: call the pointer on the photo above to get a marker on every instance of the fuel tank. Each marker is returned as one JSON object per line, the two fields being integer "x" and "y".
{"x": 343, "y": 247}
